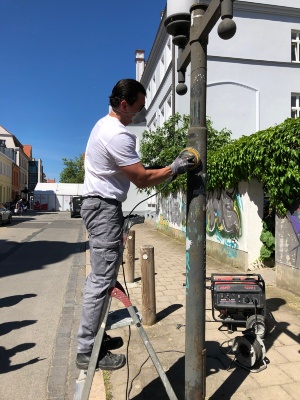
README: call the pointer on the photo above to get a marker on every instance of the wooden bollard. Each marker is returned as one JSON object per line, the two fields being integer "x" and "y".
{"x": 148, "y": 285}
{"x": 130, "y": 257}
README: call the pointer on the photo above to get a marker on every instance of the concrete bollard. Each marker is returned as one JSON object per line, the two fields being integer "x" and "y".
{"x": 148, "y": 285}
{"x": 130, "y": 257}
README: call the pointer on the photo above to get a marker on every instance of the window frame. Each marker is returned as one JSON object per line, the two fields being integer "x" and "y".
{"x": 295, "y": 110}
{"x": 295, "y": 46}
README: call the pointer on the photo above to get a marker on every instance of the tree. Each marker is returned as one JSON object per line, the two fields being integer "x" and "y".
{"x": 161, "y": 147}
{"x": 73, "y": 171}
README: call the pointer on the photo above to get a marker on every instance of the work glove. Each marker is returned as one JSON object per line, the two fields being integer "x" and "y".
{"x": 181, "y": 165}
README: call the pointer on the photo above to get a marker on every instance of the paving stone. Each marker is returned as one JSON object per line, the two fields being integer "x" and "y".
{"x": 275, "y": 357}
{"x": 267, "y": 377}
{"x": 293, "y": 370}
{"x": 267, "y": 393}
{"x": 293, "y": 390}
{"x": 292, "y": 353}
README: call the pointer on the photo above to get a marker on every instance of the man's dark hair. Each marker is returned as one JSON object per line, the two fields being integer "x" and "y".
{"x": 126, "y": 89}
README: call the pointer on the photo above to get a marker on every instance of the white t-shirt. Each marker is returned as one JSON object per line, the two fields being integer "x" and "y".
{"x": 110, "y": 146}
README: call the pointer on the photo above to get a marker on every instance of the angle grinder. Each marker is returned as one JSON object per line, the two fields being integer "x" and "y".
{"x": 191, "y": 153}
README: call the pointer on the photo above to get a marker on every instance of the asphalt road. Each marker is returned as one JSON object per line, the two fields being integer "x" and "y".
{"x": 42, "y": 269}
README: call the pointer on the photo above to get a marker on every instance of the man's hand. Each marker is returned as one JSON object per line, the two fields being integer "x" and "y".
{"x": 181, "y": 165}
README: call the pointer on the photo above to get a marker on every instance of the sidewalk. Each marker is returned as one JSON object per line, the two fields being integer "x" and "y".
{"x": 224, "y": 379}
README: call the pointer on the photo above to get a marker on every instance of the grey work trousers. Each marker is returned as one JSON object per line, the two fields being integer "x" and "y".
{"x": 103, "y": 220}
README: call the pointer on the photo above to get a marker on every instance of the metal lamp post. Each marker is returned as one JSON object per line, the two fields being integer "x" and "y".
{"x": 190, "y": 25}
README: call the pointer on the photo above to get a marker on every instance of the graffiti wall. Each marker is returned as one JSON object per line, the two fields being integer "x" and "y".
{"x": 171, "y": 214}
{"x": 287, "y": 250}
{"x": 233, "y": 225}
{"x": 224, "y": 219}
{"x": 294, "y": 218}
{"x": 288, "y": 238}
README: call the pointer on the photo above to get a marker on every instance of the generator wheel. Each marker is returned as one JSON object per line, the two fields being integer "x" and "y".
{"x": 259, "y": 324}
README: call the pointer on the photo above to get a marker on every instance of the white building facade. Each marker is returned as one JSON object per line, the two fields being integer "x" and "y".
{"x": 253, "y": 79}
{"x": 253, "y": 82}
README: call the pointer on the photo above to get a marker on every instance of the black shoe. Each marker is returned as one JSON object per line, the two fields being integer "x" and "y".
{"x": 106, "y": 361}
{"x": 83, "y": 360}
{"x": 110, "y": 361}
{"x": 110, "y": 343}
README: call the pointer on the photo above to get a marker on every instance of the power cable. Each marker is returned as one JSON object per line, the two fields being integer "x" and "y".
{"x": 125, "y": 227}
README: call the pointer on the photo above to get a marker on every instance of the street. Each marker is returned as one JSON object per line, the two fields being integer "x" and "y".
{"x": 42, "y": 270}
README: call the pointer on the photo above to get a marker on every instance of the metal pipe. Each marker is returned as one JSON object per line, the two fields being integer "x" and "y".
{"x": 196, "y": 218}
{"x": 203, "y": 19}
{"x": 173, "y": 78}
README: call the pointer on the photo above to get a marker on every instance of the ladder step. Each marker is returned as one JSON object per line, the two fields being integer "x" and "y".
{"x": 120, "y": 318}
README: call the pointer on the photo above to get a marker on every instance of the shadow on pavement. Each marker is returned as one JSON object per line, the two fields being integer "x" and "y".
{"x": 216, "y": 361}
{"x": 17, "y": 219}
{"x": 5, "y": 355}
{"x": 13, "y": 300}
{"x": 156, "y": 389}
{"x": 167, "y": 311}
{"x": 7, "y": 327}
{"x": 35, "y": 255}
{"x": 276, "y": 328}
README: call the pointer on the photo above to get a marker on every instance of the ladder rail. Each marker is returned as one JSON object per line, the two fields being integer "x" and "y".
{"x": 95, "y": 352}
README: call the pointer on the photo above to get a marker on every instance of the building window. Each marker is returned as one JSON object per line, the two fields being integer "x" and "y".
{"x": 169, "y": 101}
{"x": 168, "y": 54}
{"x": 296, "y": 46}
{"x": 162, "y": 68}
{"x": 162, "y": 111}
{"x": 169, "y": 107}
{"x": 149, "y": 97}
{"x": 153, "y": 86}
{"x": 153, "y": 123}
{"x": 162, "y": 115}
{"x": 295, "y": 105}
{"x": 169, "y": 44}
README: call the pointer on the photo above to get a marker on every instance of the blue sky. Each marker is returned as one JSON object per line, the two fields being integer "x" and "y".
{"x": 59, "y": 60}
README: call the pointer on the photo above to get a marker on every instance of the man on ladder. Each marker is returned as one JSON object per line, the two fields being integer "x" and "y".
{"x": 111, "y": 163}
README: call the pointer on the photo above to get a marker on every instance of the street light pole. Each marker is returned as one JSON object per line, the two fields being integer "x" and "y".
{"x": 190, "y": 32}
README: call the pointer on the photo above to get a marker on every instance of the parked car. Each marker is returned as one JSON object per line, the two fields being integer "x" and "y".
{"x": 10, "y": 205}
{"x": 75, "y": 206}
{"x": 5, "y": 215}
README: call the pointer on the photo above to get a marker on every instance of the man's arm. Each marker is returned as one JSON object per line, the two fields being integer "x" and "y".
{"x": 143, "y": 178}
